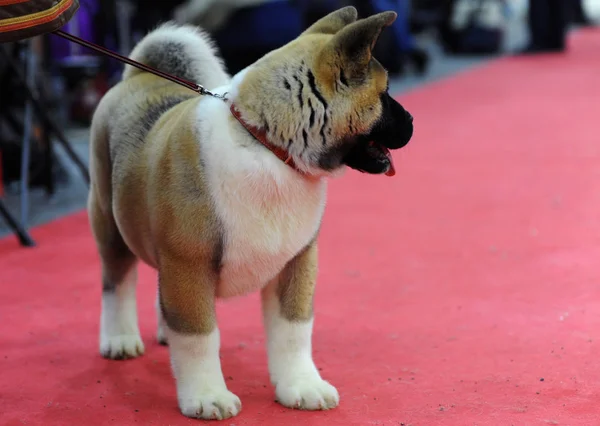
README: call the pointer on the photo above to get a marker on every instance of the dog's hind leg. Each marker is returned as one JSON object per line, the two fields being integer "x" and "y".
{"x": 119, "y": 331}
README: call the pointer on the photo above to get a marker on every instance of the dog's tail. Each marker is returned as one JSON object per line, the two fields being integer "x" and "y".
{"x": 184, "y": 51}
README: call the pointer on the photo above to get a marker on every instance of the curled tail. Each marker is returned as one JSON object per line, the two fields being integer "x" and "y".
{"x": 184, "y": 51}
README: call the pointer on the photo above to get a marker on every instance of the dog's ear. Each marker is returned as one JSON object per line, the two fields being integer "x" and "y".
{"x": 335, "y": 21}
{"x": 354, "y": 43}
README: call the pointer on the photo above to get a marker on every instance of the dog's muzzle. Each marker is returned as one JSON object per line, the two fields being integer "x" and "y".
{"x": 393, "y": 130}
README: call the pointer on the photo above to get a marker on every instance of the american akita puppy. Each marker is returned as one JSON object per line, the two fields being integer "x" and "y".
{"x": 225, "y": 197}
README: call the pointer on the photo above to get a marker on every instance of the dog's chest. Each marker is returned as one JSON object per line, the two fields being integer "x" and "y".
{"x": 265, "y": 227}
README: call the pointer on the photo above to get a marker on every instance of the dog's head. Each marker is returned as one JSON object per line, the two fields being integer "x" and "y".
{"x": 324, "y": 98}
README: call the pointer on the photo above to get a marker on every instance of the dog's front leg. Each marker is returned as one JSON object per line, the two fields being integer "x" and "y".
{"x": 187, "y": 299}
{"x": 287, "y": 304}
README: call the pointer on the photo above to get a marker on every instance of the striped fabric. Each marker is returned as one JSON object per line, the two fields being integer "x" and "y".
{"x": 22, "y": 19}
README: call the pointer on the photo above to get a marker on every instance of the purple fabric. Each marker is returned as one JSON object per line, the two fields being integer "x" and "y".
{"x": 81, "y": 25}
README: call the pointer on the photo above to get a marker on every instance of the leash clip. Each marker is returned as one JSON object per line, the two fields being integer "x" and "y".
{"x": 201, "y": 90}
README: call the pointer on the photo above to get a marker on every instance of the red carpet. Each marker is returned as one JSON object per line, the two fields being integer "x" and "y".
{"x": 463, "y": 291}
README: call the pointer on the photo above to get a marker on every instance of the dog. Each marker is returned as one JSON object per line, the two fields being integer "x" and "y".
{"x": 223, "y": 195}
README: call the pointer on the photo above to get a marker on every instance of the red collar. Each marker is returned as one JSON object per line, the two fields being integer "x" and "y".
{"x": 261, "y": 136}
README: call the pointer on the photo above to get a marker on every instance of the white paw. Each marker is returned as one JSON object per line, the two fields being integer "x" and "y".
{"x": 307, "y": 393}
{"x": 122, "y": 346}
{"x": 211, "y": 405}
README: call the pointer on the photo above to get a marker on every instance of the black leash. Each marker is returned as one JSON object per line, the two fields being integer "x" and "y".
{"x": 192, "y": 86}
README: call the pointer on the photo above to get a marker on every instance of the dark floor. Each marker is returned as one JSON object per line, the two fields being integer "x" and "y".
{"x": 71, "y": 197}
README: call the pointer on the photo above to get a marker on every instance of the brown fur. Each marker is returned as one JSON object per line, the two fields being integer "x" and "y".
{"x": 150, "y": 199}
{"x": 159, "y": 195}
{"x": 158, "y": 192}
{"x": 332, "y": 77}
{"x": 296, "y": 285}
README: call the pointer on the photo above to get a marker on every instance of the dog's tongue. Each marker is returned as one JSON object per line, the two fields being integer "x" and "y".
{"x": 392, "y": 170}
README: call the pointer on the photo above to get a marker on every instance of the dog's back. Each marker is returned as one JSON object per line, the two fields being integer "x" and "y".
{"x": 128, "y": 112}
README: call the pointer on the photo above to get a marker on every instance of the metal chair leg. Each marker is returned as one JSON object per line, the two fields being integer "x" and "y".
{"x": 43, "y": 115}
{"x": 21, "y": 233}
{"x": 26, "y": 146}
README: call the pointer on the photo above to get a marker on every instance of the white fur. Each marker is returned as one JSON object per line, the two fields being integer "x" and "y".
{"x": 254, "y": 193}
{"x": 269, "y": 212}
{"x": 200, "y": 52}
{"x": 119, "y": 331}
{"x": 297, "y": 381}
{"x": 201, "y": 389}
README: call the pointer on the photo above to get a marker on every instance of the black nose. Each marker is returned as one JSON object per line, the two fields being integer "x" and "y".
{"x": 409, "y": 116}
